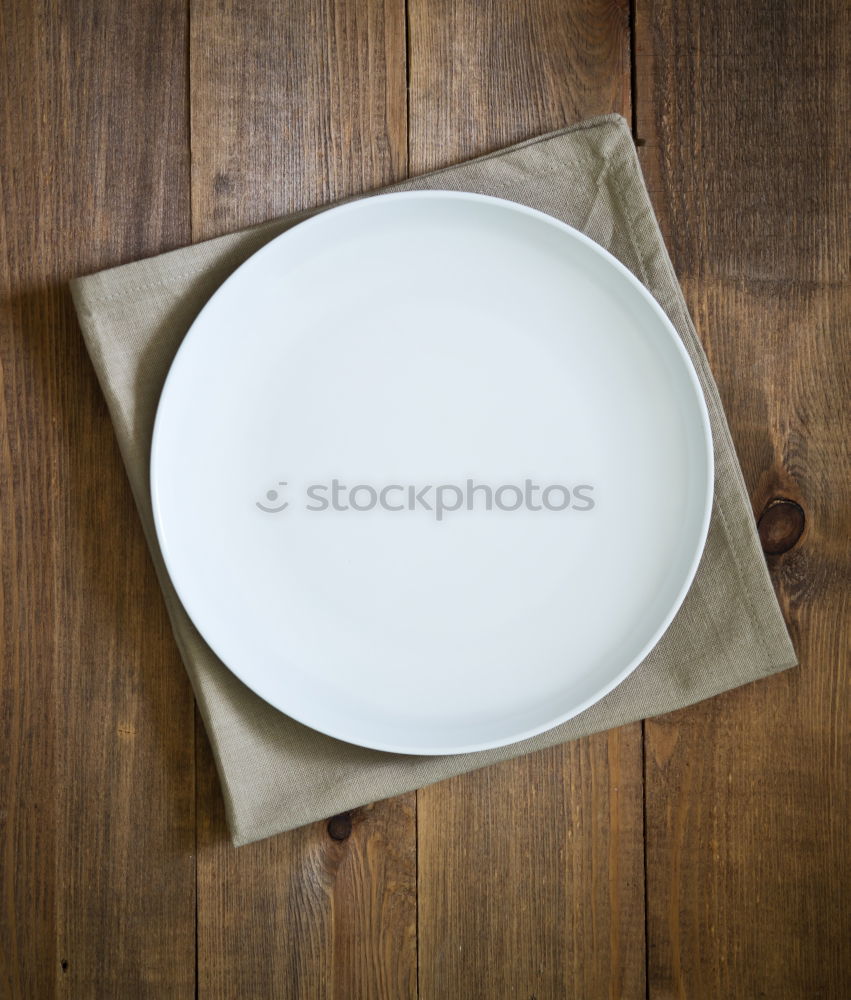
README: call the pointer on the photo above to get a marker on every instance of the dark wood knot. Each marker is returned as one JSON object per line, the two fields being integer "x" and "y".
{"x": 780, "y": 526}
{"x": 340, "y": 827}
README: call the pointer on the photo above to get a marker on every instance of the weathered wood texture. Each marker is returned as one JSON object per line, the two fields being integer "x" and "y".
{"x": 96, "y": 753}
{"x": 293, "y": 106}
{"x": 744, "y": 108}
{"x": 126, "y": 129}
{"x": 531, "y": 880}
{"x": 325, "y": 911}
{"x": 484, "y": 75}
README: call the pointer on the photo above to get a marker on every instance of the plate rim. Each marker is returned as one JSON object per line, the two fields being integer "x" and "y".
{"x": 352, "y": 205}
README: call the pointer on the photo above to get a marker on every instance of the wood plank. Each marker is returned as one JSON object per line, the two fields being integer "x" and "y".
{"x": 483, "y": 75}
{"x": 96, "y": 761}
{"x": 325, "y": 911}
{"x": 748, "y": 795}
{"x": 293, "y": 106}
{"x": 531, "y": 876}
{"x": 530, "y": 873}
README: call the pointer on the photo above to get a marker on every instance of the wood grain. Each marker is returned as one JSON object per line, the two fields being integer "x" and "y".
{"x": 306, "y": 914}
{"x": 748, "y": 794}
{"x": 530, "y": 873}
{"x": 293, "y": 106}
{"x": 526, "y": 879}
{"x": 484, "y": 75}
{"x": 96, "y": 758}
{"x": 531, "y": 876}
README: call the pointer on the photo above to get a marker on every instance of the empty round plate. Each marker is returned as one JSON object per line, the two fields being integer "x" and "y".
{"x": 431, "y": 472}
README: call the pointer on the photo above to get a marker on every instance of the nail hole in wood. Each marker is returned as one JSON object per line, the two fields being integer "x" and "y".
{"x": 780, "y": 526}
{"x": 63, "y": 962}
{"x": 339, "y": 827}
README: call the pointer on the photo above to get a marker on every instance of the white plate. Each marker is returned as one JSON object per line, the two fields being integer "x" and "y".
{"x": 421, "y": 340}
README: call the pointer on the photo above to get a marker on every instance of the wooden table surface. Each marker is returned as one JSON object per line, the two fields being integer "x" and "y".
{"x": 703, "y": 854}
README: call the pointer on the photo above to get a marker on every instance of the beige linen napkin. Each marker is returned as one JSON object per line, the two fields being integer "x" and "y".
{"x": 277, "y": 774}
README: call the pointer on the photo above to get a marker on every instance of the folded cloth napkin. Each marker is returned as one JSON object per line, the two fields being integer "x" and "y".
{"x": 277, "y": 774}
